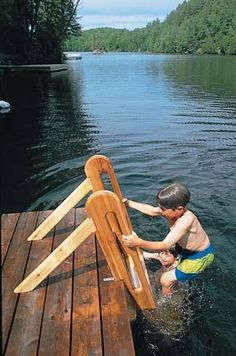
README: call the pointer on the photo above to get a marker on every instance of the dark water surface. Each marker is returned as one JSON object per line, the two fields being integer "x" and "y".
{"x": 159, "y": 118}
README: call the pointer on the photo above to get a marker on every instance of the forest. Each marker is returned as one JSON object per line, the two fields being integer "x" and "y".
{"x": 38, "y": 31}
{"x": 196, "y": 26}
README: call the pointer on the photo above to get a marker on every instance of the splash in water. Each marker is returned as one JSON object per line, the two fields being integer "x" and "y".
{"x": 175, "y": 314}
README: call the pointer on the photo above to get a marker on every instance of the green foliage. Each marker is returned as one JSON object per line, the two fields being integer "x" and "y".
{"x": 33, "y": 30}
{"x": 196, "y": 26}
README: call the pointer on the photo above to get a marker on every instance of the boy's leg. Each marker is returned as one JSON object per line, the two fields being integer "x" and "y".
{"x": 168, "y": 280}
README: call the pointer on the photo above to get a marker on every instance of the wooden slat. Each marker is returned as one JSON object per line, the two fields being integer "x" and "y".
{"x": 116, "y": 330}
{"x": 26, "y": 328}
{"x": 55, "y": 335}
{"x": 13, "y": 269}
{"x": 62, "y": 210}
{"x": 8, "y": 224}
{"x": 86, "y": 327}
{"x": 59, "y": 254}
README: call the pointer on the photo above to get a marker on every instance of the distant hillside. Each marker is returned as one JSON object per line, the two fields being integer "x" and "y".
{"x": 196, "y": 26}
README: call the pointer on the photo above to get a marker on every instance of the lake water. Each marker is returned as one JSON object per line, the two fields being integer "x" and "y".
{"x": 160, "y": 118}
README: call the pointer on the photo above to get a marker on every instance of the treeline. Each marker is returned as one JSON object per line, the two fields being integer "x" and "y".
{"x": 196, "y": 26}
{"x": 33, "y": 31}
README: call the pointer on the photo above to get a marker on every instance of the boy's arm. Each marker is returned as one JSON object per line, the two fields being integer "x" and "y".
{"x": 135, "y": 241}
{"x": 151, "y": 255}
{"x": 143, "y": 208}
{"x": 181, "y": 228}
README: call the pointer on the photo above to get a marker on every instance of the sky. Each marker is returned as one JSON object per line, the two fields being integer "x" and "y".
{"x": 127, "y": 14}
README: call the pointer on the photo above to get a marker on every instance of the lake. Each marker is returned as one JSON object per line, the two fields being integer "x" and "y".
{"x": 159, "y": 118}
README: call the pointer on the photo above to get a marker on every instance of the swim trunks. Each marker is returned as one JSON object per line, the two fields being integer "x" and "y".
{"x": 192, "y": 263}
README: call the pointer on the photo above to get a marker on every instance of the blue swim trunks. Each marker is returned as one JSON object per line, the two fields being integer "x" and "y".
{"x": 192, "y": 263}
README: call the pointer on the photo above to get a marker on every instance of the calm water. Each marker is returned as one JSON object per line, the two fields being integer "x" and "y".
{"x": 159, "y": 118}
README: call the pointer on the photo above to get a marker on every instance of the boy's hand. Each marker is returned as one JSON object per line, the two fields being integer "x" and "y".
{"x": 131, "y": 240}
{"x": 125, "y": 201}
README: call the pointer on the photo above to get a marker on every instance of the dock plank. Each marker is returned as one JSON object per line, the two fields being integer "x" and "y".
{"x": 86, "y": 325}
{"x": 116, "y": 329}
{"x": 8, "y": 225}
{"x": 24, "y": 335}
{"x": 14, "y": 268}
{"x": 75, "y": 311}
{"x": 55, "y": 335}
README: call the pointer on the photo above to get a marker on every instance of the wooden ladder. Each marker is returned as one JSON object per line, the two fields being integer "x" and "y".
{"x": 108, "y": 218}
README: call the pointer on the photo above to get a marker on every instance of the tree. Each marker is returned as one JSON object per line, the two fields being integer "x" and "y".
{"x": 34, "y": 30}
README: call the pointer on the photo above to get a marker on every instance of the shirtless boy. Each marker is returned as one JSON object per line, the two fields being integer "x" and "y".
{"x": 196, "y": 252}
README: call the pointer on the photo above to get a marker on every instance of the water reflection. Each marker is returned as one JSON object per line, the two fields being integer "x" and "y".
{"x": 46, "y": 139}
{"x": 214, "y": 75}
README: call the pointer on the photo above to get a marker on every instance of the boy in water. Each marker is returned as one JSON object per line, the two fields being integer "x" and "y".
{"x": 169, "y": 260}
{"x": 196, "y": 252}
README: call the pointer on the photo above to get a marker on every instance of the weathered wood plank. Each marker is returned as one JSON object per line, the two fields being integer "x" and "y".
{"x": 86, "y": 327}
{"x": 8, "y": 225}
{"x": 27, "y": 323}
{"x": 66, "y": 314}
{"x": 55, "y": 335}
{"x": 116, "y": 330}
{"x": 14, "y": 268}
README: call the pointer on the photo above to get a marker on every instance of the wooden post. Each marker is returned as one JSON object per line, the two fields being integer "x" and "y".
{"x": 95, "y": 168}
{"x": 108, "y": 214}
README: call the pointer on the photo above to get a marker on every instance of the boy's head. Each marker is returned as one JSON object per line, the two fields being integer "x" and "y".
{"x": 173, "y": 196}
{"x": 168, "y": 257}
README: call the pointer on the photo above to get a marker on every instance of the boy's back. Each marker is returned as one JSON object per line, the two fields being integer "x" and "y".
{"x": 195, "y": 238}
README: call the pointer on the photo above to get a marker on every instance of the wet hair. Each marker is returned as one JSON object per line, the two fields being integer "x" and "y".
{"x": 172, "y": 196}
{"x": 174, "y": 251}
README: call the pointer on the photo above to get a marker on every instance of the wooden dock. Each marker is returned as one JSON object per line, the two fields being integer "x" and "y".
{"x": 35, "y": 68}
{"x": 78, "y": 310}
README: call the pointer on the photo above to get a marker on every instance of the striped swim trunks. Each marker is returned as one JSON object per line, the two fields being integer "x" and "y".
{"x": 192, "y": 263}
